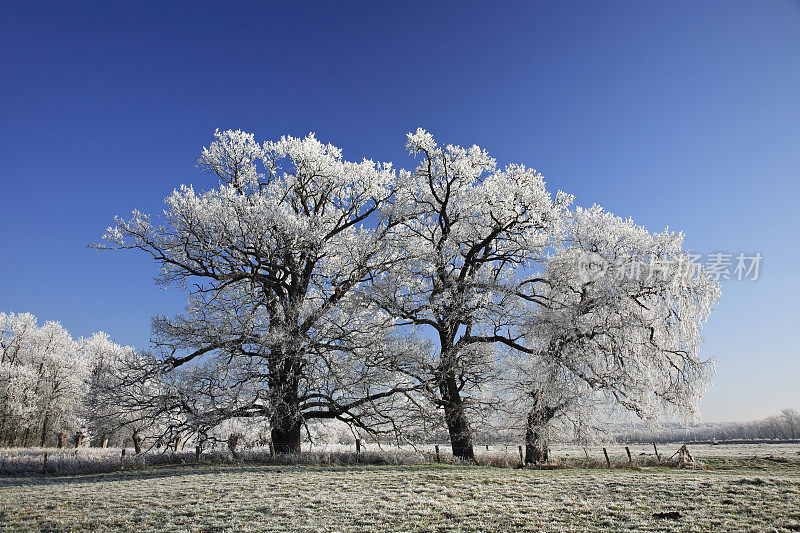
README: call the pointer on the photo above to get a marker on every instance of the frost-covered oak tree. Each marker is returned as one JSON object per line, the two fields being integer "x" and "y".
{"x": 469, "y": 231}
{"x": 618, "y": 323}
{"x": 273, "y": 258}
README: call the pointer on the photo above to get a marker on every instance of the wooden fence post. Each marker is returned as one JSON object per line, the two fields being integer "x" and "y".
{"x": 197, "y": 451}
{"x": 658, "y": 457}
{"x": 271, "y": 449}
{"x": 521, "y": 457}
{"x": 44, "y": 464}
{"x": 608, "y": 461}
{"x": 630, "y": 461}
{"x": 684, "y": 453}
{"x": 438, "y": 457}
{"x": 122, "y": 460}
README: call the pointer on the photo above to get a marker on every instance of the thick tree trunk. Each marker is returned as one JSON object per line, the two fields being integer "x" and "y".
{"x": 286, "y": 439}
{"x": 536, "y": 448}
{"x": 233, "y": 443}
{"x": 285, "y": 422}
{"x": 137, "y": 441}
{"x": 456, "y": 418}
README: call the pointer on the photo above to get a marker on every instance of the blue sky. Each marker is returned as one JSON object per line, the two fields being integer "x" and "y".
{"x": 684, "y": 114}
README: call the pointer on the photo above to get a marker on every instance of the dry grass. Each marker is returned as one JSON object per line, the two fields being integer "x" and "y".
{"x": 743, "y": 494}
{"x": 393, "y": 498}
{"x": 30, "y": 461}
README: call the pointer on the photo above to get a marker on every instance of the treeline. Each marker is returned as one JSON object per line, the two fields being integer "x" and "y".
{"x": 783, "y": 426}
{"x": 48, "y": 381}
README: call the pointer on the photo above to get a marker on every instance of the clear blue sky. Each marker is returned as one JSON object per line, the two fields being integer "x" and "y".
{"x": 684, "y": 114}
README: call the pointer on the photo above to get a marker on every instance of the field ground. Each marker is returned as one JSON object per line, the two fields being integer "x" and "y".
{"x": 740, "y": 490}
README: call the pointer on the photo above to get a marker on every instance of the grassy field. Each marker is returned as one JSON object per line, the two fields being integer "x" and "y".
{"x": 735, "y": 492}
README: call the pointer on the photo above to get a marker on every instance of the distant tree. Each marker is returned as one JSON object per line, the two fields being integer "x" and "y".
{"x": 42, "y": 380}
{"x": 104, "y": 420}
{"x": 778, "y": 426}
{"x": 774, "y": 427}
{"x": 274, "y": 259}
{"x": 791, "y": 420}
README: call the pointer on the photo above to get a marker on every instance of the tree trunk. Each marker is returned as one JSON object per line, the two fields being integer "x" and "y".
{"x": 233, "y": 442}
{"x": 137, "y": 441}
{"x": 456, "y": 417}
{"x": 536, "y": 448}
{"x": 286, "y": 439}
{"x": 285, "y": 422}
{"x": 44, "y": 431}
